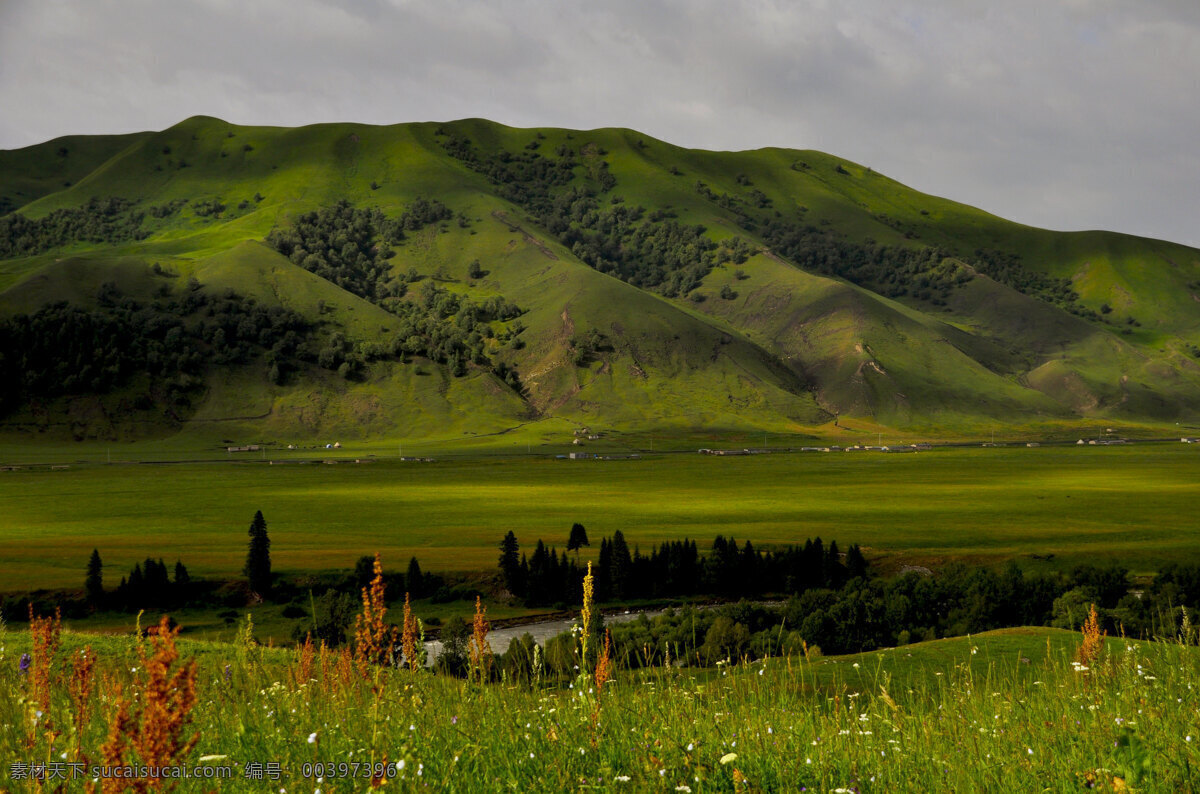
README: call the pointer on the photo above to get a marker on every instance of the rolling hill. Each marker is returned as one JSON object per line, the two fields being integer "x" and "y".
{"x": 468, "y": 280}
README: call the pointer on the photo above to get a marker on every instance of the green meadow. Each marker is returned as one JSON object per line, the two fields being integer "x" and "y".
{"x": 1046, "y": 506}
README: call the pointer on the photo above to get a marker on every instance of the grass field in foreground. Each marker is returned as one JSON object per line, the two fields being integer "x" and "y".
{"x": 1133, "y": 505}
{"x": 955, "y": 715}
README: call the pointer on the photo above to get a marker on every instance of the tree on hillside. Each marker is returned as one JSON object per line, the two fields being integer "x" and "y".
{"x": 578, "y": 538}
{"x": 94, "y": 584}
{"x": 258, "y": 556}
{"x": 510, "y": 563}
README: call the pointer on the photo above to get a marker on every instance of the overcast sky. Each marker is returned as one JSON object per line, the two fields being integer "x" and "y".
{"x": 1071, "y": 114}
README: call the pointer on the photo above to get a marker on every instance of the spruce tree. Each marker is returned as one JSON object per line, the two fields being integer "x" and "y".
{"x": 510, "y": 563}
{"x": 258, "y": 556}
{"x": 137, "y": 589}
{"x": 622, "y": 565}
{"x": 578, "y": 538}
{"x": 604, "y": 571}
{"x": 835, "y": 572}
{"x": 364, "y": 571}
{"x": 414, "y": 579}
{"x": 94, "y": 584}
{"x": 856, "y": 564}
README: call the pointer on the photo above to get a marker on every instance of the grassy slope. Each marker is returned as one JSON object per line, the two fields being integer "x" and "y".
{"x": 800, "y": 347}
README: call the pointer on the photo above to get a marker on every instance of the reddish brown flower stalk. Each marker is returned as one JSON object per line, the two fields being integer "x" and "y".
{"x": 373, "y": 638}
{"x": 168, "y": 696}
{"x": 304, "y": 661}
{"x": 481, "y": 649}
{"x": 1093, "y": 639}
{"x": 45, "y": 634}
{"x": 79, "y": 690}
{"x": 409, "y": 638}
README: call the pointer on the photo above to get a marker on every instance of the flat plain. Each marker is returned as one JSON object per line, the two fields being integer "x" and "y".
{"x": 1044, "y": 507}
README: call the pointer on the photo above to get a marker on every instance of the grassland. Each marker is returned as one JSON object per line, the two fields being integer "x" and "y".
{"x": 1004, "y": 711}
{"x": 1047, "y": 506}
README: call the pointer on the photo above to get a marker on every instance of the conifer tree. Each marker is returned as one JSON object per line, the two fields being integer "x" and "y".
{"x": 414, "y": 579}
{"x": 258, "y": 556}
{"x": 94, "y": 584}
{"x": 510, "y": 563}
{"x": 856, "y": 564}
{"x": 578, "y": 537}
{"x": 622, "y": 564}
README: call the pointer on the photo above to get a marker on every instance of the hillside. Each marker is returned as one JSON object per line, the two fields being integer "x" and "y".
{"x": 466, "y": 281}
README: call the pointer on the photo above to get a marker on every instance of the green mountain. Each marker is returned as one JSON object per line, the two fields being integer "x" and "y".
{"x": 468, "y": 280}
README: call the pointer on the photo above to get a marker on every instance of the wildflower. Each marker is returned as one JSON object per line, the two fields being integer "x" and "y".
{"x": 312, "y": 738}
{"x": 23, "y": 666}
{"x": 690, "y": 747}
{"x": 454, "y": 720}
{"x": 728, "y": 758}
{"x": 622, "y": 778}
{"x": 228, "y": 673}
{"x": 400, "y": 765}
{"x": 1029, "y": 750}
{"x": 686, "y": 789}
{"x": 585, "y": 613}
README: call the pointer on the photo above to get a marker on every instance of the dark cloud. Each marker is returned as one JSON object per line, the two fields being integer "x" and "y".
{"x": 1073, "y": 114}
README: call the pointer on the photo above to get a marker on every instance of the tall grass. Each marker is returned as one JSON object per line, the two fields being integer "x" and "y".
{"x": 1127, "y": 720}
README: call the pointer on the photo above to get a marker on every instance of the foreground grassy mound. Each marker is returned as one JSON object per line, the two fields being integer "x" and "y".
{"x": 1004, "y": 711}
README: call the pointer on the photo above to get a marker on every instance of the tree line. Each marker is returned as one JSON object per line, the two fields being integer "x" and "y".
{"x": 869, "y": 613}
{"x": 99, "y": 220}
{"x": 102, "y": 220}
{"x": 351, "y": 248}
{"x": 64, "y": 350}
{"x": 674, "y": 569}
{"x": 650, "y": 250}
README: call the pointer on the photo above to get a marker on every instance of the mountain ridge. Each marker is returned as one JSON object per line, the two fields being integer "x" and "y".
{"x": 642, "y": 287}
